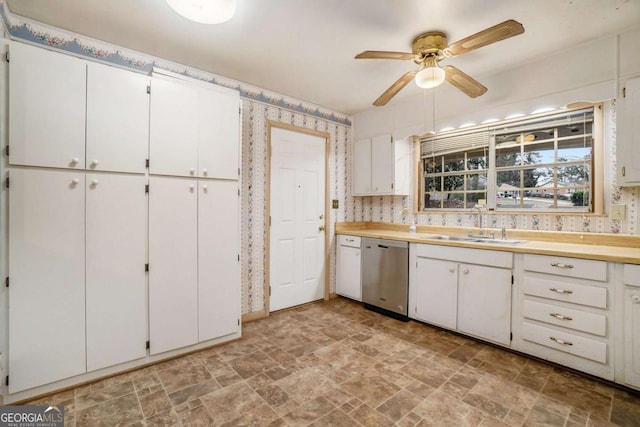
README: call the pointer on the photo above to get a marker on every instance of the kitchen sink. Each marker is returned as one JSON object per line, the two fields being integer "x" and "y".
{"x": 475, "y": 240}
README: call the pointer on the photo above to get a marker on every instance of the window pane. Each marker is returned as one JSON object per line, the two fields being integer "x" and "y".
{"x": 477, "y": 160}
{"x": 432, "y": 200}
{"x": 454, "y": 162}
{"x": 476, "y": 182}
{"x": 574, "y": 149}
{"x": 508, "y": 156}
{"x": 537, "y": 177}
{"x": 453, "y": 182}
{"x": 576, "y": 175}
{"x": 453, "y": 201}
{"x": 472, "y": 199}
{"x": 433, "y": 183}
{"x": 537, "y": 153}
{"x": 433, "y": 165}
{"x": 508, "y": 180}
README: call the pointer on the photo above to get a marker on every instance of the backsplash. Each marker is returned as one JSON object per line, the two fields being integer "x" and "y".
{"x": 391, "y": 208}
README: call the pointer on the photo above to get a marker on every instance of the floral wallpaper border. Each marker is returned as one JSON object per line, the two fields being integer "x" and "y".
{"x": 38, "y": 33}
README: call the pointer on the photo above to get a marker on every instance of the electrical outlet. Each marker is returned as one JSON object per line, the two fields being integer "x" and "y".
{"x": 618, "y": 212}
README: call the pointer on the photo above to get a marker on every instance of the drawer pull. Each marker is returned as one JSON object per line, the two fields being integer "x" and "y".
{"x": 561, "y": 291}
{"x": 560, "y": 316}
{"x": 559, "y": 341}
{"x": 561, "y": 265}
{"x": 349, "y": 240}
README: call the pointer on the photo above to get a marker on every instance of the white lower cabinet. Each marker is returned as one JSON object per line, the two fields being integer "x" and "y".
{"x": 46, "y": 271}
{"x": 116, "y": 242}
{"x": 218, "y": 263}
{"x": 468, "y": 290}
{"x": 348, "y": 267}
{"x": 194, "y": 278}
{"x": 631, "y": 278}
{"x": 564, "y": 312}
{"x": 173, "y": 263}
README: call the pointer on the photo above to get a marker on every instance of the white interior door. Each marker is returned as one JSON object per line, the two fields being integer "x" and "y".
{"x": 46, "y": 271}
{"x": 115, "y": 278}
{"x": 297, "y": 187}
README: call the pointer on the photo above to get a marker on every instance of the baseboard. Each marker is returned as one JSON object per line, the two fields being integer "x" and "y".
{"x": 254, "y": 315}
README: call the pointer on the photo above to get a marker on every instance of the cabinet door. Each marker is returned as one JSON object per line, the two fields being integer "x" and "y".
{"x": 628, "y": 140}
{"x": 46, "y": 269}
{"x": 362, "y": 167}
{"x": 47, "y": 97}
{"x": 116, "y": 230}
{"x": 173, "y": 263}
{"x": 117, "y": 119}
{"x": 348, "y": 282}
{"x": 173, "y": 130}
{"x": 218, "y": 263}
{"x": 382, "y": 164}
{"x": 219, "y": 134}
{"x": 484, "y": 302}
{"x": 632, "y": 335}
{"x": 433, "y": 294}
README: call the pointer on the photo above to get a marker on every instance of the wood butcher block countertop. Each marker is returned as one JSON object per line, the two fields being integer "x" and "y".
{"x": 623, "y": 248}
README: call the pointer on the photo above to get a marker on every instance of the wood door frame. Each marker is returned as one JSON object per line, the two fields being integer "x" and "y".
{"x": 267, "y": 268}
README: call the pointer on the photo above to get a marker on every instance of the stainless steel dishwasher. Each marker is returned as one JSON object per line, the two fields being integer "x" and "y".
{"x": 385, "y": 276}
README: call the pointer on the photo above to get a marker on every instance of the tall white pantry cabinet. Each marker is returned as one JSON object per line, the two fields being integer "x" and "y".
{"x": 88, "y": 218}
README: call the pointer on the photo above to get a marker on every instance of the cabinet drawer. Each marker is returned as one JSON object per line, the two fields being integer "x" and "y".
{"x": 565, "y": 342}
{"x": 353, "y": 241}
{"x": 466, "y": 255}
{"x": 569, "y": 318}
{"x": 631, "y": 274}
{"x": 594, "y": 296}
{"x": 570, "y": 267}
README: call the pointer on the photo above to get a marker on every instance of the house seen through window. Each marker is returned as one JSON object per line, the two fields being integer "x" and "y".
{"x": 538, "y": 164}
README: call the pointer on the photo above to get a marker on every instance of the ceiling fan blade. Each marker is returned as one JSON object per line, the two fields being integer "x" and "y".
{"x": 494, "y": 34}
{"x": 463, "y": 81}
{"x": 379, "y": 54}
{"x": 395, "y": 88}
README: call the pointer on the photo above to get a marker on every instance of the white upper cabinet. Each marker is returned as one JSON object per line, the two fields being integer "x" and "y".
{"x": 218, "y": 263}
{"x": 116, "y": 252}
{"x": 117, "y": 119}
{"x": 194, "y": 129}
{"x": 628, "y": 134}
{"x": 173, "y": 131}
{"x": 46, "y": 271}
{"x": 218, "y": 133}
{"x": 381, "y": 166}
{"x": 47, "y": 100}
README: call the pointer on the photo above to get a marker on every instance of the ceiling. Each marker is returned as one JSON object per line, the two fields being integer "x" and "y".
{"x": 305, "y": 48}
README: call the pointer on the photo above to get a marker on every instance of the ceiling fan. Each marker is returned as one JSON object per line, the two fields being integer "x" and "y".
{"x": 430, "y": 48}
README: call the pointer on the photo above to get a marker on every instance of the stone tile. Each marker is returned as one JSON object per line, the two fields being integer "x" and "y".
{"x": 399, "y": 405}
{"x": 579, "y": 392}
{"x": 485, "y": 404}
{"x": 539, "y": 416}
{"x": 372, "y": 390}
{"x": 625, "y": 411}
{"x": 304, "y": 384}
{"x": 369, "y": 417}
{"x": 193, "y": 392}
{"x": 177, "y": 378}
{"x": 231, "y": 402}
{"x": 94, "y": 397}
{"x": 425, "y": 370}
{"x": 258, "y": 416}
{"x": 439, "y": 409}
{"x": 507, "y": 393}
{"x": 252, "y": 364}
{"x": 228, "y": 378}
{"x": 168, "y": 419}
{"x": 197, "y": 417}
{"x": 154, "y": 403}
{"x": 335, "y": 418}
{"x": 420, "y": 389}
{"x": 120, "y": 411}
{"x": 410, "y": 420}
{"x": 309, "y": 412}
{"x": 454, "y": 390}
{"x": 534, "y": 375}
{"x": 273, "y": 395}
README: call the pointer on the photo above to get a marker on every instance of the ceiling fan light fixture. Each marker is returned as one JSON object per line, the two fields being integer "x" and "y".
{"x": 205, "y": 11}
{"x": 430, "y": 75}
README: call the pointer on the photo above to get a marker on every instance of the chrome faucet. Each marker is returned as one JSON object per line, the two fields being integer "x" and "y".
{"x": 480, "y": 231}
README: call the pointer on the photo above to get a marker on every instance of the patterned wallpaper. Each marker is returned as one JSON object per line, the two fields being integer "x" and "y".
{"x": 390, "y": 208}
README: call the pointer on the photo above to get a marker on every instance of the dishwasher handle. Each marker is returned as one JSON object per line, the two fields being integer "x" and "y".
{"x": 383, "y": 246}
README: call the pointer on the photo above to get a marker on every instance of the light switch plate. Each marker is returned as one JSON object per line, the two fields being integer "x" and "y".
{"x": 618, "y": 212}
{"x": 334, "y": 204}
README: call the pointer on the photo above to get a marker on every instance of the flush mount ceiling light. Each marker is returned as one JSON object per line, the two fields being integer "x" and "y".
{"x": 430, "y": 75}
{"x": 205, "y": 11}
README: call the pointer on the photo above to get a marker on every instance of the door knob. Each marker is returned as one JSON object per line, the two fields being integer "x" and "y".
{"x": 321, "y": 216}
{"x": 321, "y": 228}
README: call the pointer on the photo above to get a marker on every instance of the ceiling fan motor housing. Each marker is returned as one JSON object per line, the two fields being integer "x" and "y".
{"x": 429, "y": 44}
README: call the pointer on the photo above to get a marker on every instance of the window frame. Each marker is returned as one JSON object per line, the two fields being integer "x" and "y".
{"x": 521, "y": 124}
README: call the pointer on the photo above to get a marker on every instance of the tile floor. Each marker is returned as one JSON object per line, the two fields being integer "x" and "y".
{"x": 336, "y": 364}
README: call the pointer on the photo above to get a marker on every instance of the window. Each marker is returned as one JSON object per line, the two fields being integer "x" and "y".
{"x": 536, "y": 164}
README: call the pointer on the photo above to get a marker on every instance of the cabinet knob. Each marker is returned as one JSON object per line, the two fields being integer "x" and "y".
{"x": 204, "y": 171}
{"x": 192, "y": 187}
{"x": 204, "y": 188}
{"x": 192, "y": 171}
{"x": 74, "y": 161}
{"x": 465, "y": 271}
{"x": 635, "y": 299}
{"x": 75, "y": 181}
{"x": 94, "y": 163}
{"x": 451, "y": 269}
{"x": 94, "y": 182}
